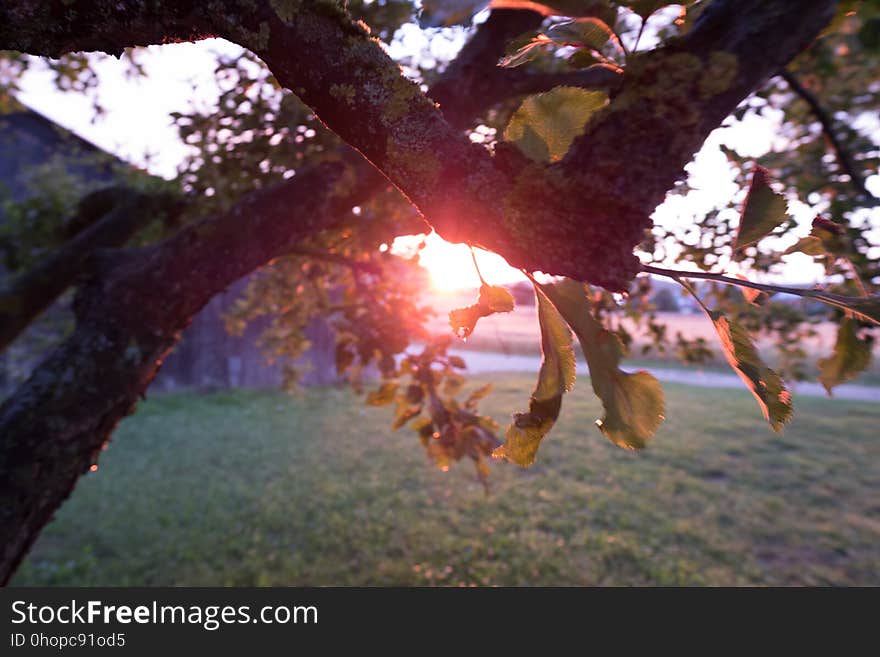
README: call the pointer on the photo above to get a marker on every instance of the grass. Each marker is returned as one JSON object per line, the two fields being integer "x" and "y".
{"x": 248, "y": 488}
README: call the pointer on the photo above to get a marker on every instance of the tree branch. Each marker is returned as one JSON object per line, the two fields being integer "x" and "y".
{"x": 866, "y": 307}
{"x": 128, "y": 317}
{"x": 129, "y": 313}
{"x": 337, "y": 259}
{"x": 26, "y": 296}
{"x": 844, "y": 159}
{"x": 673, "y": 97}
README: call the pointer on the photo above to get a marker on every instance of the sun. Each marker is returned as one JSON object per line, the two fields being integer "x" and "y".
{"x": 452, "y": 268}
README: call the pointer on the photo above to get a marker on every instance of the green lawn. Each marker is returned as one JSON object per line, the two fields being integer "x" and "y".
{"x": 251, "y": 488}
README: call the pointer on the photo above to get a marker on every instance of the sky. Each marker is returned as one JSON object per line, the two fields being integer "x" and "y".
{"x": 137, "y": 128}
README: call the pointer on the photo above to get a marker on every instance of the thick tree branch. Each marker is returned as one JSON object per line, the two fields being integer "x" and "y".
{"x": 475, "y": 68}
{"x": 844, "y": 159}
{"x": 56, "y": 423}
{"x": 673, "y": 97}
{"x": 355, "y": 88}
{"x": 358, "y": 266}
{"x": 865, "y": 307}
{"x": 24, "y": 297}
{"x": 589, "y": 218}
{"x": 129, "y": 315}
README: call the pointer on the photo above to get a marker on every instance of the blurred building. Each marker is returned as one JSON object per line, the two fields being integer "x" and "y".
{"x": 34, "y": 152}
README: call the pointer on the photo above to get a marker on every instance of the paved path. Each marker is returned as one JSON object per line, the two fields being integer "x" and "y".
{"x": 481, "y": 361}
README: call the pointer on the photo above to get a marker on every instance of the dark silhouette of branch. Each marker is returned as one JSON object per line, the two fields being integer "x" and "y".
{"x": 851, "y": 304}
{"x": 112, "y": 217}
{"x": 844, "y": 158}
{"x": 337, "y": 259}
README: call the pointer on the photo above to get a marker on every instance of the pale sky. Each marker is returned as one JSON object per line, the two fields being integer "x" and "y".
{"x": 137, "y": 127}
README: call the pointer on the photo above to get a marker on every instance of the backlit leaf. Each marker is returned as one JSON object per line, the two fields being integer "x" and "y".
{"x": 751, "y": 295}
{"x": 464, "y": 320}
{"x": 477, "y": 395}
{"x": 384, "y": 394}
{"x": 589, "y": 32}
{"x": 634, "y": 402}
{"x": 763, "y": 210}
{"x": 496, "y": 298}
{"x": 493, "y": 299}
{"x": 810, "y": 245}
{"x": 851, "y": 356}
{"x": 825, "y": 238}
{"x": 544, "y": 125}
{"x": 765, "y": 384}
{"x": 404, "y": 413}
{"x": 523, "y": 54}
{"x": 555, "y": 378}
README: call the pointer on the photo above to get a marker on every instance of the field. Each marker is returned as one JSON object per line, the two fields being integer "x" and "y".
{"x": 251, "y": 488}
{"x": 517, "y": 333}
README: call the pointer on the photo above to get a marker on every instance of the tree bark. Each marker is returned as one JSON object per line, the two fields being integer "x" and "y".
{"x": 27, "y": 295}
{"x": 587, "y": 214}
{"x": 56, "y": 424}
{"x": 129, "y": 315}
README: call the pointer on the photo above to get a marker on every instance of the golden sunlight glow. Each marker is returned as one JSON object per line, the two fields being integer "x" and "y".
{"x": 452, "y": 268}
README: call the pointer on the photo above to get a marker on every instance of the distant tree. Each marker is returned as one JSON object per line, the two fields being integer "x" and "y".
{"x": 665, "y": 301}
{"x": 322, "y": 151}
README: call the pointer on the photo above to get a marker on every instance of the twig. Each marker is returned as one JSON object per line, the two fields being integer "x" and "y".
{"x": 850, "y": 304}
{"x": 844, "y": 159}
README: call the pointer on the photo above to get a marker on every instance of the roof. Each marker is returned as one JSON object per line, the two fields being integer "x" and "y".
{"x": 28, "y": 139}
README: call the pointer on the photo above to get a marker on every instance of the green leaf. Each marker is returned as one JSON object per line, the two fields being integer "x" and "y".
{"x": 404, "y": 413}
{"x": 414, "y": 393}
{"x": 765, "y": 384}
{"x": 869, "y": 34}
{"x": 589, "y": 32}
{"x": 555, "y": 378}
{"x": 634, "y": 402}
{"x": 810, "y": 245}
{"x": 852, "y": 356}
{"x": 477, "y": 395}
{"x": 545, "y": 124}
{"x": 522, "y": 55}
{"x": 826, "y": 238}
{"x": 763, "y": 210}
{"x": 384, "y": 394}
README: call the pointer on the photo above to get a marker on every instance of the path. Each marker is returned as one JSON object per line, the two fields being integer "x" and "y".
{"x": 479, "y": 362}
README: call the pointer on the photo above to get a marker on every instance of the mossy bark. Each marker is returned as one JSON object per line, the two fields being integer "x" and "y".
{"x": 129, "y": 315}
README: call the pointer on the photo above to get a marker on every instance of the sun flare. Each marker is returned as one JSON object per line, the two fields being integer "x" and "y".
{"x": 452, "y": 268}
